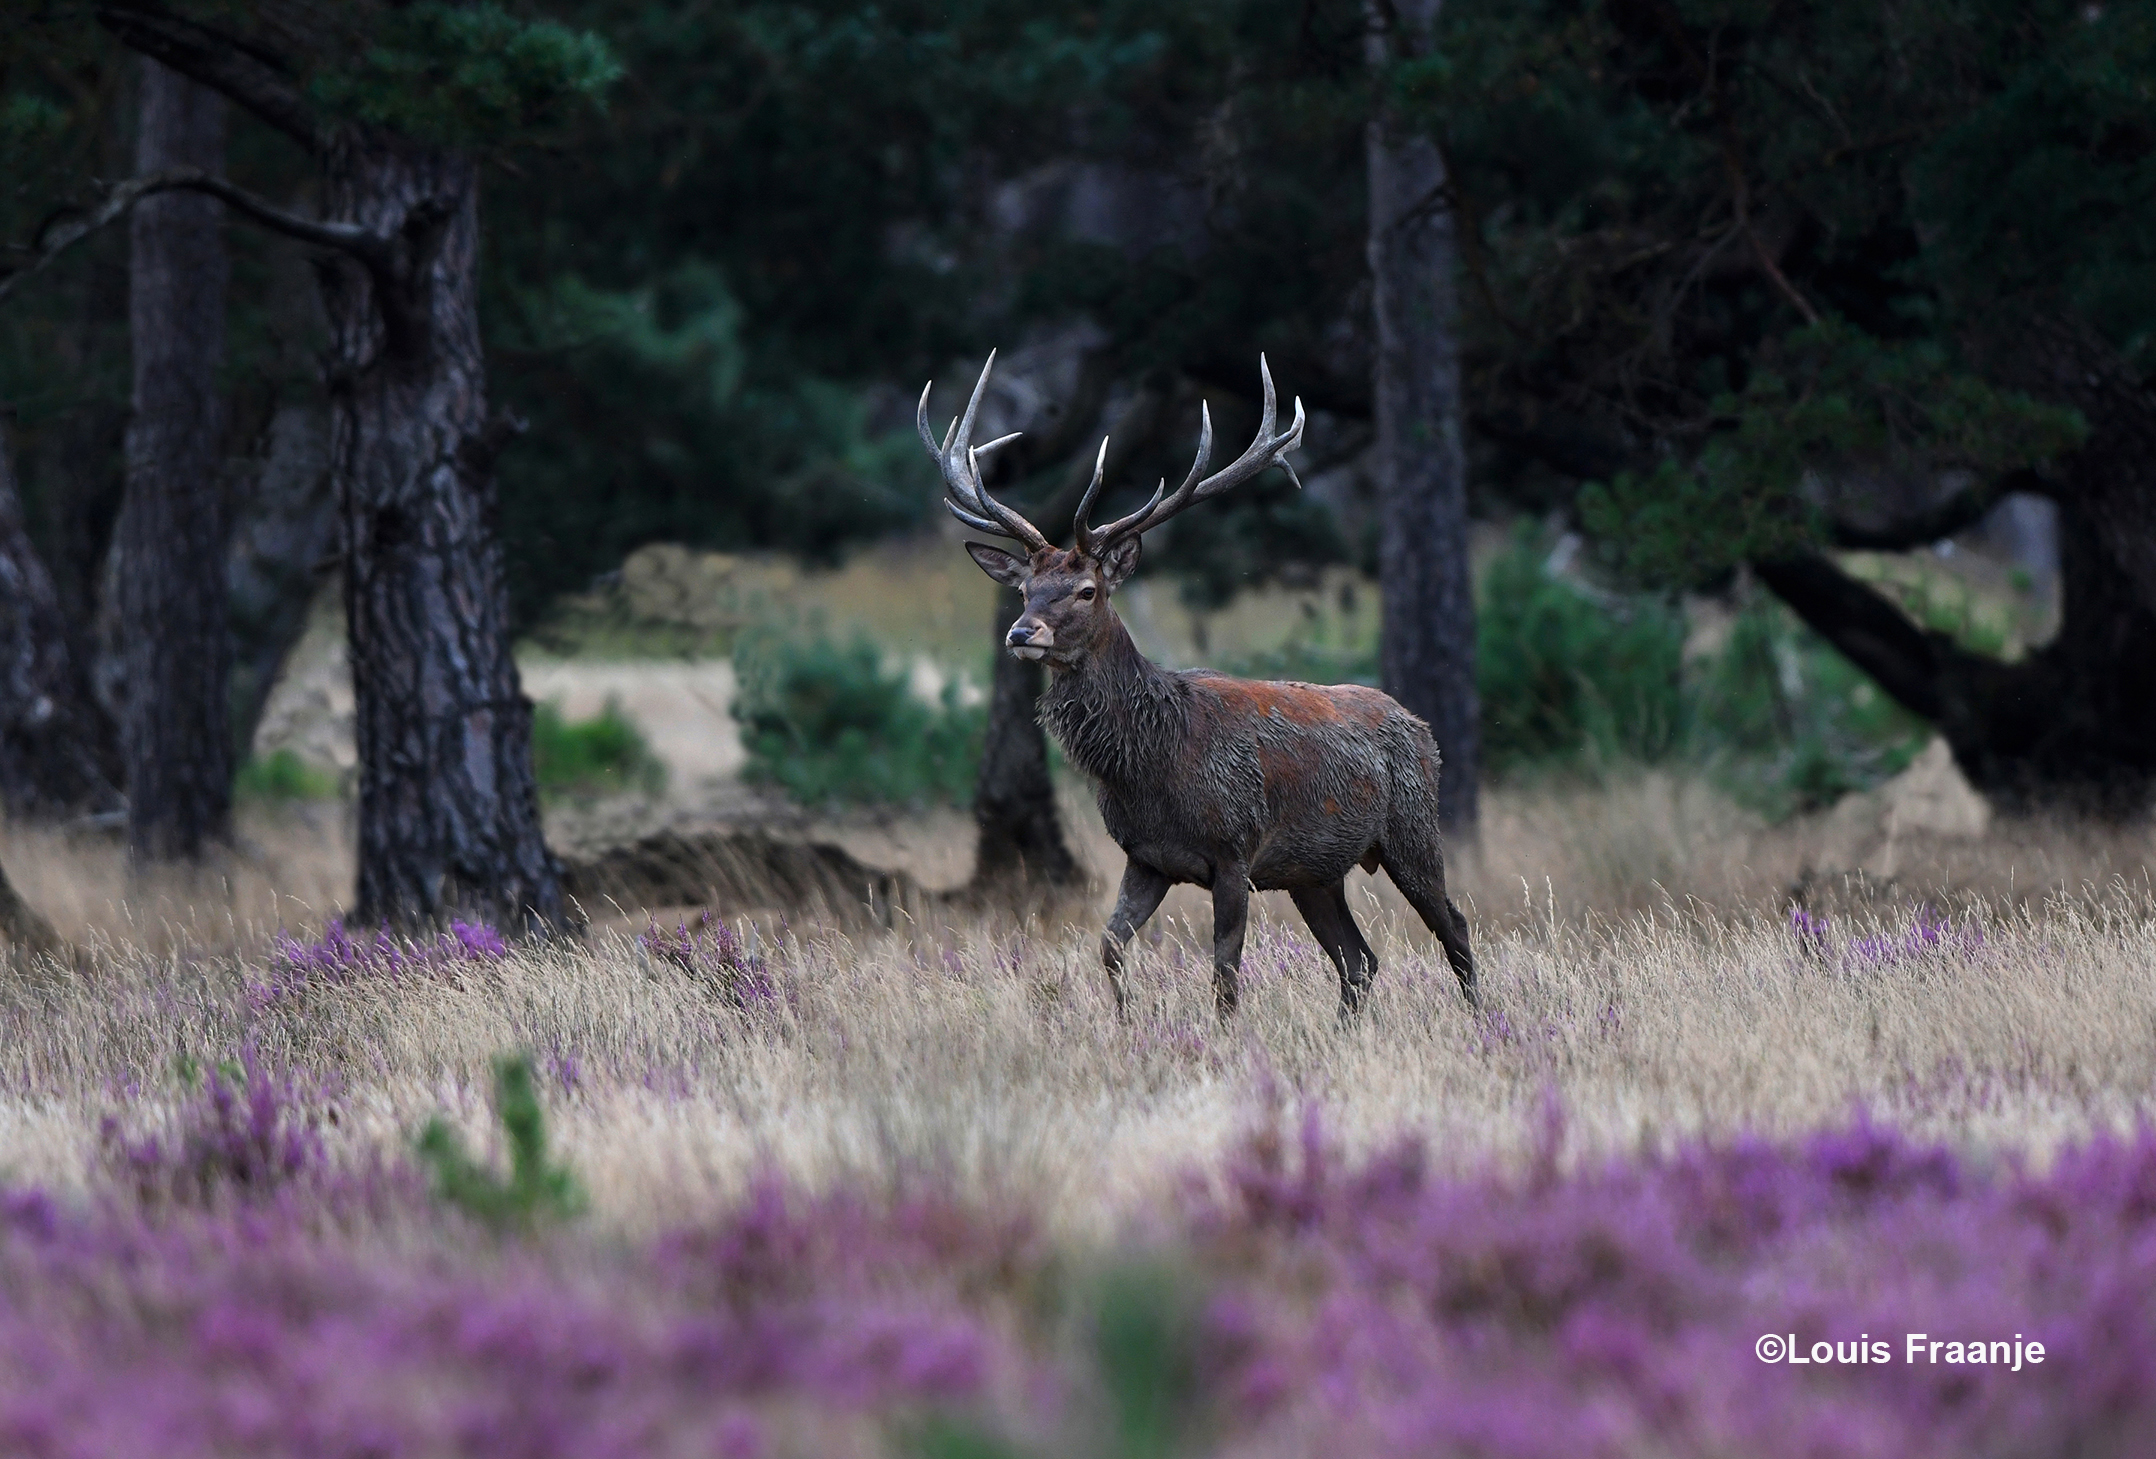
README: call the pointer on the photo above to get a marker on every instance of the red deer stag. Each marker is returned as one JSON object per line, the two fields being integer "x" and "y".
{"x": 1221, "y": 782}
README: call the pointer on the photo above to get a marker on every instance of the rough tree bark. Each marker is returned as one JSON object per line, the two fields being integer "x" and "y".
{"x": 448, "y": 805}
{"x": 1428, "y": 627}
{"x": 55, "y": 760}
{"x": 449, "y": 810}
{"x": 169, "y": 543}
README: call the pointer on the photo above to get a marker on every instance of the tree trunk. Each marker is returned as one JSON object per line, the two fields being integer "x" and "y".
{"x": 1428, "y": 628}
{"x": 169, "y": 543}
{"x": 1014, "y": 804}
{"x": 2073, "y": 724}
{"x": 283, "y": 537}
{"x": 2056, "y": 356}
{"x": 54, "y": 742}
{"x": 448, "y": 806}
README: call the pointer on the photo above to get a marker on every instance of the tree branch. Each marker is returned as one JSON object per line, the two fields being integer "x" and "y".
{"x": 1959, "y": 512}
{"x": 250, "y": 76}
{"x": 1906, "y": 661}
{"x": 65, "y": 230}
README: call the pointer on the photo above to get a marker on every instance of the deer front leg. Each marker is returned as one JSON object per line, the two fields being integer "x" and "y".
{"x": 1138, "y": 899}
{"x": 1231, "y": 911}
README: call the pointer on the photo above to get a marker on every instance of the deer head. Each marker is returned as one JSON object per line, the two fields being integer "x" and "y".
{"x": 1066, "y": 589}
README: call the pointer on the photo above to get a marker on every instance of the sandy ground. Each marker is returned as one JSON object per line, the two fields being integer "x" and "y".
{"x": 682, "y": 708}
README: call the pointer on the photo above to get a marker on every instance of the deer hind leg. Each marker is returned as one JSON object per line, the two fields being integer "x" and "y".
{"x": 1333, "y": 925}
{"x": 1417, "y": 868}
{"x": 1231, "y": 915}
{"x": 1135, "y": 903}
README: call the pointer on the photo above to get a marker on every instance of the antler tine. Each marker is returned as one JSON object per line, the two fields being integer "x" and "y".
{"x": 959, "y": 460}
{"x": 1266, "y": 449}
{"x": 1084, "y": 535}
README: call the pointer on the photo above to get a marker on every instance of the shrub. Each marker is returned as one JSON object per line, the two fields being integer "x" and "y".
{"x": 282, "y": 775}
{"x": 604, "y": 755}
{"x": 243, "y": 1134}
{"x": 1563, "y": 673}
{"x": 536, "y": 1189}
{"x": 831, "y": 725}
{"x": 1788, "y": 724}
{"x": 1777, "y": 715}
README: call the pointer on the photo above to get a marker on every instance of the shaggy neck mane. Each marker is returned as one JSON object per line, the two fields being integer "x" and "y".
{"x": 1117, "y": 713}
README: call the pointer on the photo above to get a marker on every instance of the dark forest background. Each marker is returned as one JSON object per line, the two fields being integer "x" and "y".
{"x": 1727, "y": 288}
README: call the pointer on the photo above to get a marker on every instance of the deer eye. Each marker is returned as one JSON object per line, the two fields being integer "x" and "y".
{"x": 1085, "y": 594}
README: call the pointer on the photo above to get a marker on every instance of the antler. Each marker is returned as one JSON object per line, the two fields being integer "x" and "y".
{"x": 960, "y": 460}
{"x": 1265, "y": 450}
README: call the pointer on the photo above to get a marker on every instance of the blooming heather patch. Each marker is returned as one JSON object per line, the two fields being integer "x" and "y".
{"x": 246, "y": 1133}
{"x": 339, "y": 957}
{"x": 254, "y": 1333}
{"x": 1377, "y": 1309}
{"x": 711, "y": 952}
{"x": 1927, "y": 933}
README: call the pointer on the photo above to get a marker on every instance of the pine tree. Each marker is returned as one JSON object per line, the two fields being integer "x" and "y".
{"x": 390, "y": 101}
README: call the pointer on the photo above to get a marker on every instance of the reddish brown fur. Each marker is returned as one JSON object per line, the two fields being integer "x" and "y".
{"x": 1228, "y": 783}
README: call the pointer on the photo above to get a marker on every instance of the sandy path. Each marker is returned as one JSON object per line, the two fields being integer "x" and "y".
{"x": 680, "y": 707}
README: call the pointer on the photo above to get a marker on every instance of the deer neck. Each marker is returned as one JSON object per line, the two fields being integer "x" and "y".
{"x": 1117, "y": 714}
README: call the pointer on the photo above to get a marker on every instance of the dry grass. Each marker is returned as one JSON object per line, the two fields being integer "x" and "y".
{"x": 1636, "y": 962}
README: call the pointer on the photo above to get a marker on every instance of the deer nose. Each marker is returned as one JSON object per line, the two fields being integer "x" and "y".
{"x": 1030, "y": 638}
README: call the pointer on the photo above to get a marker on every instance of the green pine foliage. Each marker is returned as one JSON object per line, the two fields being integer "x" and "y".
{"x": 536, "y": 1190}
{"x": 1825, "y": 398}
{"x": 468, "y": 73}
{"x": 829, "y": 724}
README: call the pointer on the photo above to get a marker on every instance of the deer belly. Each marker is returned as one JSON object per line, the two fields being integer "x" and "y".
{"x": 1316, "y": 839}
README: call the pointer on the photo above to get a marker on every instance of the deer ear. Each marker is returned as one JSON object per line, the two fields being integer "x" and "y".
{"x": 1119, "y": 562}
{"x": 998, "y": 564}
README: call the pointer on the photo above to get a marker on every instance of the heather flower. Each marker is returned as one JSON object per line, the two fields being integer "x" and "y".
{"x": 714, "y": 954}
{"x": 337, "y": 957}
{"x": 1378, "y": 1306}
{"x": 1927, "y": 933}
{"x": 1810, "y": 931}
{"x": 246, "y": 1133}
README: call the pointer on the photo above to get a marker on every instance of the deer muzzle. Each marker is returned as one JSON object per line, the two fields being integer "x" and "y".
{"x": 1030, "y": 638}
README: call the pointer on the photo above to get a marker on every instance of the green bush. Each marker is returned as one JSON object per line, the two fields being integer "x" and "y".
{"x": 830, "y": 725}
{"x": 1788, "y": 724}
{"x": 606, "y": 754}
{"x": 282, "y": 775}
{"x": 1564, "y": 674}
{"x": 1573, "y": 679}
